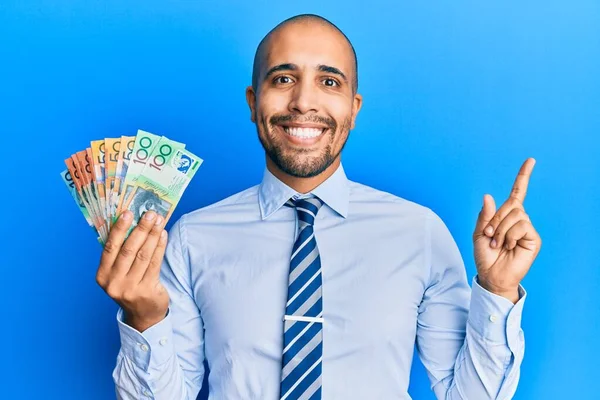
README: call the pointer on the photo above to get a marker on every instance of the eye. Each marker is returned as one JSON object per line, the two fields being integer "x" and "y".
{"x": 330, "y": 82}
{"x": 282, "y": 79}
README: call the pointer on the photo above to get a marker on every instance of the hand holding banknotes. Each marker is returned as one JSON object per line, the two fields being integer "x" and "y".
{"x": 129, "y": 269}
{"x": 127, "y": 189}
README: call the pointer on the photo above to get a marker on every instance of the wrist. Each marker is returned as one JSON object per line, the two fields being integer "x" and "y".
{"x": 512, "y": 294}
{"x": 141, "y": 324}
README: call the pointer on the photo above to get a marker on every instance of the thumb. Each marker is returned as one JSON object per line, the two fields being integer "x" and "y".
{"x": 486, "y": 214}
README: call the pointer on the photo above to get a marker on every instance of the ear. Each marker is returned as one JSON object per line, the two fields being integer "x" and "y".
{"x": 356, "y": 105}
{"x": 251, "y": 100}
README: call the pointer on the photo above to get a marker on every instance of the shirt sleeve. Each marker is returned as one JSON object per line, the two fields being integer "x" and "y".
{"x": 166, "y": 361}
{"x": 470, "y": 341}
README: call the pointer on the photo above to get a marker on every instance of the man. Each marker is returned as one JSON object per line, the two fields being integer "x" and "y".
{"x": 309, "y": 285}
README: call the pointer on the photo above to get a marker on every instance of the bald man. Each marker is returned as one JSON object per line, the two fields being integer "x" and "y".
{"x": 309, "y": 285}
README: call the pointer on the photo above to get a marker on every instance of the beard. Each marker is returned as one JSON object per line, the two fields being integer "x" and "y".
{"x": 290, "y": 161}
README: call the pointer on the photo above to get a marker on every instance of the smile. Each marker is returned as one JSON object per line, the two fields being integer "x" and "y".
{"x": 303, "y": 133}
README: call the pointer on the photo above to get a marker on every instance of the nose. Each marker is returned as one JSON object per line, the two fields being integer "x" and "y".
{"x": 304, "y": 98}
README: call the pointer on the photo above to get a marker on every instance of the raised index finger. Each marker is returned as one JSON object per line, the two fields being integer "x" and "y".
{"x": 519, "y": 189}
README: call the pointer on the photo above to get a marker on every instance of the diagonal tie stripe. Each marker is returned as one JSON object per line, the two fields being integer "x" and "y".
{"x": 303, "y": 341}
{"x": 306, "y": 244}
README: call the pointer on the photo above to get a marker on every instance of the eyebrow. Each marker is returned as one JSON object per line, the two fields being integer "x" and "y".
{"x": 332, "y": 70}
{"x": 294, "y": 67}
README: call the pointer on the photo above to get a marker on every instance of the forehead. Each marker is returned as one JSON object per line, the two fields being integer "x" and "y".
{"x": 308, "y": 45}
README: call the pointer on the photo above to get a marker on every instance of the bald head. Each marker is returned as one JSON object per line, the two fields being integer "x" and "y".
{"x": 263, "y": 46}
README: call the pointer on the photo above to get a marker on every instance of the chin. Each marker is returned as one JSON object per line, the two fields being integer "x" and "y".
{"x": 299, "y": 166}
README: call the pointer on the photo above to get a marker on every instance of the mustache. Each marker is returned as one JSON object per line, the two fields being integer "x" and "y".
{"x": 280, "y": 119}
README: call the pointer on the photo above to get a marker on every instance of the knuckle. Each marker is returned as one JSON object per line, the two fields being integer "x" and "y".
{"x": 114, "y": 291}
{"x": 126, "y": 251}
{"x": 500, "y": 233}
{"x": 142, "y": 256}
{"x": 522, "y": 223}
{"x": 155, "y": 231}
{"x": 516, "y": 212}
{"x": 516, "y": 203}
{"x": 110, "y": 246}
{"x": 143, "y": 225}
{"x": 129, "y": 295}
{"x": 101, "y": 280}
{"x": 495, "y": 221}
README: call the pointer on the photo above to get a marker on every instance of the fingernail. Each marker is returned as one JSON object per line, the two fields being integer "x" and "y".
{"x": 159, "y": 220}
{"x": 489, "y": 230}
{"x": 494, "y": 243}
{"x": 149, "y": 215}
{"x": 163, "y": 235}
{"x": 126, "y": 215}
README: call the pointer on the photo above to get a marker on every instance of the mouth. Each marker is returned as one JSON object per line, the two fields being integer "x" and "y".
{"x": 303, "y": 134}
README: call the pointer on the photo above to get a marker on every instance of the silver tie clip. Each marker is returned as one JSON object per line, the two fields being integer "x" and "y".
{"x": 304, "y": 319}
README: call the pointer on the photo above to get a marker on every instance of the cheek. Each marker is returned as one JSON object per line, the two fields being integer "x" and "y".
{"x": 272, "y": 103}
{"x": 343, "y": 117}
{"x": 340, "y": 108}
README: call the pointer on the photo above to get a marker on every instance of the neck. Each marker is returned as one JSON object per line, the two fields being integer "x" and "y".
{"x": 303, "y": 185}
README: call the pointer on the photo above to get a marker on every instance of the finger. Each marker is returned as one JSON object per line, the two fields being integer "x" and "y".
{"x": 144, "y": 254}
{"x": 112, "y": 246}
{"x": 502, "y": 212}
{"x": 514, "y": 216}
{"x": 132, "y": 245}
{"x": 519, "y": 189}
{"x": 486, "y": 214}
{"x": 520, "y": 233}
{"x": 153, "y": 271}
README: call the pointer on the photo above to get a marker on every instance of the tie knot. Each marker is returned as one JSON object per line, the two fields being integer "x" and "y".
{"x": 307, "y": 208}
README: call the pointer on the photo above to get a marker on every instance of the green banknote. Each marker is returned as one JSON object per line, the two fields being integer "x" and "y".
{"x": 165, "y": 177}
{"x": 145, "y": 142}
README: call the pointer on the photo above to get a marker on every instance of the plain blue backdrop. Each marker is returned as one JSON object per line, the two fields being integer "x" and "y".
{"x": 456, "y": 96}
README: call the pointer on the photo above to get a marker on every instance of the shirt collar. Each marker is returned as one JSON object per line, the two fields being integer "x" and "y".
{"x": 334, "y": 191}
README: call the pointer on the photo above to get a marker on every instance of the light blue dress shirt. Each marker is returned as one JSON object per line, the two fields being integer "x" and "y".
{"x": 392, "y": 275}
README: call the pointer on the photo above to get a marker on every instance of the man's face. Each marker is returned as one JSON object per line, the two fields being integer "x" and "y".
{"x": 184, "y": 163}
{"x": 304, "y": 105}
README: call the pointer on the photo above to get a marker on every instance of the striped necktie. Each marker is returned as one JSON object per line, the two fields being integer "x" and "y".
{"x": 303, "y": 321}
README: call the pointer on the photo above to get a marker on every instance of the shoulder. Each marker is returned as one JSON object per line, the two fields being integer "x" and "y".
{"x": 234, "y": 207}
{"x": 367, "y": 199}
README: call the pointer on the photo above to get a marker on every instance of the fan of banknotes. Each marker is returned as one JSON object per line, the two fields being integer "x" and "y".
{"x": 138, "y": 173}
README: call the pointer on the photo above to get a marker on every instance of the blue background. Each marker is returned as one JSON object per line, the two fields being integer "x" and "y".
{"x": 456, "y": 96}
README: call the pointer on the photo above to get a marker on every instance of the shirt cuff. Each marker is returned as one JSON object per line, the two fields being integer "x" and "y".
{"x": 496, "y": 318}
{"x": 148, "y": 349}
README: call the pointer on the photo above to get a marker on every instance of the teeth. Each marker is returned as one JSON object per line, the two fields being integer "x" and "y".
{"x": 303, "y": 132}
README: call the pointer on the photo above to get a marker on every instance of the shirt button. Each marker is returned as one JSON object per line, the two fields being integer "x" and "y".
{"x": 493, "y": 318}
{"x": 144, "y": 347}
{"x": 163, "y": 341}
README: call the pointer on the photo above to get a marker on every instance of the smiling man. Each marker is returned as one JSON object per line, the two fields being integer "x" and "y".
{"x": 303, "y": 98}
{"x": 310, "y": 285}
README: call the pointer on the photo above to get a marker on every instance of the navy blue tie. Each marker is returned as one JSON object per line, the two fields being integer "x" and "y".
{"x": 303, "y": 321}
